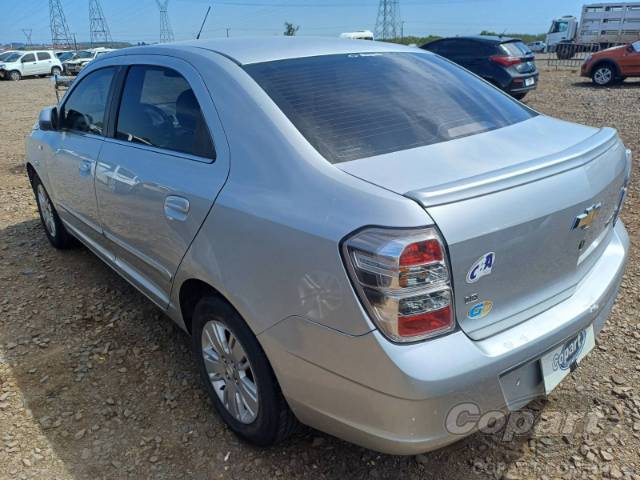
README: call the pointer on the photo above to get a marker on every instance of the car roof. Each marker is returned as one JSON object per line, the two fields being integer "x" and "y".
{"x": 247, "y": 50}
{"x": 484, "y": 38}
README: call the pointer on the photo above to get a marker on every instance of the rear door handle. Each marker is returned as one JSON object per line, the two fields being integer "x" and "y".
{"x": 85, "y": 167}
{"x": 176, "y": 208}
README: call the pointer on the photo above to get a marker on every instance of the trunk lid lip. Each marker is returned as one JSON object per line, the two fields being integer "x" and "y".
{"x": 505, "y": 178}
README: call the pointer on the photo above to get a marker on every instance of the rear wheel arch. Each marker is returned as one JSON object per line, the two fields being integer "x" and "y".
{"x": 191, "y": 291}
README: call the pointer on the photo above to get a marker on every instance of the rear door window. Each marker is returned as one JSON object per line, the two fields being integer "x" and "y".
{"x": 43, "y": 56}
{"x": 158, "y": 108}
{"x": 360, "y": 105}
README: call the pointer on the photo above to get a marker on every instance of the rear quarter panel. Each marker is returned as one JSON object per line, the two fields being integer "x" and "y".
{"x": 271, "y": 242}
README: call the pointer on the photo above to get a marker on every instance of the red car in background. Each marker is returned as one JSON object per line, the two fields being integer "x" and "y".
{"x": 613, "y": 65}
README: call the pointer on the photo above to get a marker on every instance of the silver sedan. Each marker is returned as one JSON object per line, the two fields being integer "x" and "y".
{"x": 357, "y": 235}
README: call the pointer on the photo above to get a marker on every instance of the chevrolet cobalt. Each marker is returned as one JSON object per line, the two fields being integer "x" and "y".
{"x": 358, "y": 236}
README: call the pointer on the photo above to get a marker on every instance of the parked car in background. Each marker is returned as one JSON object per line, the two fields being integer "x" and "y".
{"x": 65, "y": 55}
{"x": 6, "y": 54}
{"x": 82, "y": 58}
{"x": 613, "y": 65}
{"x": 507, "y": 63}
{"x": 365, "y": 268}
{"x": 359, "y": 35}
{"x": 537, "y": 47}
{"x": 30, "y": 63}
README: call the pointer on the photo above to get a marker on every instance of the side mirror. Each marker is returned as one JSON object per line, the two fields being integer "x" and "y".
{"x": 48, "y": 119}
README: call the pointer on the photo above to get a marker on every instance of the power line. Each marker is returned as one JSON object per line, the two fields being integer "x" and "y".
{"x": 98, "y": 28}
{"x": 166, "y": 33}
{"x": 60, "y": 35}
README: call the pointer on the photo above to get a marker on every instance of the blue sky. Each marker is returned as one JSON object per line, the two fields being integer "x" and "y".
{"x": 138, "y": 20}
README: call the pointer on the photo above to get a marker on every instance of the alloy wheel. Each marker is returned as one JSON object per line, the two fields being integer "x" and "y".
{"x": 603, "y": 75}
{"x": 230, "y": 371}
{"x": 46, "y": 210}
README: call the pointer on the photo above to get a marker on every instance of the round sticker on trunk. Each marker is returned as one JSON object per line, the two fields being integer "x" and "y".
{"x": 481, "y": 267}
{"x": 480, "y": 310}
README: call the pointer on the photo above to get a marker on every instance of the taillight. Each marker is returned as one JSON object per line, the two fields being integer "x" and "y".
{"x": 624, "y": 189}
{"x": 402, "y": 279}
{"x": 505, "y": 60}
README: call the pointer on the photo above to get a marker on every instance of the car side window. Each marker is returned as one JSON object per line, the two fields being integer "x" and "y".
{"x": 43, "y": 56}
{"x": 84, "y": 110}
{"x": 29, "y": 57}
{"x": 158, "y": 108}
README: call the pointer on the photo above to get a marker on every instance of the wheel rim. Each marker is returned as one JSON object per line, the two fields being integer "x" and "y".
{"x": 56, "y": 71}
{"x": 230, "y": 372}
{"x": 46, "y": 211}
{"x": 15, "y": 76}
{"x": 603, "y": 76}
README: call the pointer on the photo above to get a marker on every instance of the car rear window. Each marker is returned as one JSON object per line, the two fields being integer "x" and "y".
{"x": 361, "y": 105}
{"x": 516, "y": 49}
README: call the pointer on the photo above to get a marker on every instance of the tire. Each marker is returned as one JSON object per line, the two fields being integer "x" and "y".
{"x": 603, "y": 74}
{"x": 56, "y": 71}
{"x": 14, "y": 75}
{"x": 519, "y": 96}
{"x": 57, "y": 234}
{"x": 265, "y": 419}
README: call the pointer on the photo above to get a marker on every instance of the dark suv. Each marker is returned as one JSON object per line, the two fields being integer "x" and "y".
{"x": 506, "y": 62}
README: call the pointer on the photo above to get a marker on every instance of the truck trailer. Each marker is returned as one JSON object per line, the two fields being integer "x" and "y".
{"x": 601, "y": 25}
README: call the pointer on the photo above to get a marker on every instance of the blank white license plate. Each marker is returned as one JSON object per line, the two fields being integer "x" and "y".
{"x": 529, "y": 81}
{"x": 558, "y": 363}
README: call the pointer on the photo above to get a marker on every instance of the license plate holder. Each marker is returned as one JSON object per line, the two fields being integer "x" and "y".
{"x": 563, "y": 359}
{"x": 529, "y": 81}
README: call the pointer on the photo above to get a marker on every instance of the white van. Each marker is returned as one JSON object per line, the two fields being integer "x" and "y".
{"x": 28, "y": 63}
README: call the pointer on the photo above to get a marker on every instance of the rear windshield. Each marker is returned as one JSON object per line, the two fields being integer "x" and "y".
{"x": 516, "y": 49}
{"x": 360, "y": 105}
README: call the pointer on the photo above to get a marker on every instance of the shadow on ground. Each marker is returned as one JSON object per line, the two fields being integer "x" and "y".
{"x": 109, "y": 381}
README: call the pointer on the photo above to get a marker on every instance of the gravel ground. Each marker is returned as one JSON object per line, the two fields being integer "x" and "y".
{"x": 96, "y": 383}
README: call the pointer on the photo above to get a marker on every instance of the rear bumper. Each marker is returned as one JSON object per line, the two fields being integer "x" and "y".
{"x": 518, "y": 85}
{"x": 398, "y": 398}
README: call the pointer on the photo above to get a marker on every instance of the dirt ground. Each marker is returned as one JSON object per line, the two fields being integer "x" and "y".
{"x": 96, "y": 383}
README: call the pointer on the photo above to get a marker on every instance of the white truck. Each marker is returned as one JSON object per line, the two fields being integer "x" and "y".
{"x": 601, "y": 25}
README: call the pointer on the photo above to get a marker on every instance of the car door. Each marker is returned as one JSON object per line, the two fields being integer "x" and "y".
{"x": 158, "y": 177}
{"x": 71, "y": 169}
{"x": 630, "y": 60}
{"x": 43, "y": 63}
{"x": 29, "y": 64}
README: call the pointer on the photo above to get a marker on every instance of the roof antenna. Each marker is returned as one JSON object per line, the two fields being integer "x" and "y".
{"x": 203, "y": 22}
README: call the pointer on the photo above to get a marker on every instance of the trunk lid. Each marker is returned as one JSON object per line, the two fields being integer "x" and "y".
{"x": 507, "y": 202}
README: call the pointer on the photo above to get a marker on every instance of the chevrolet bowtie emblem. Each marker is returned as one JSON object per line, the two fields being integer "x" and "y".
{"x": 586, "y": 218}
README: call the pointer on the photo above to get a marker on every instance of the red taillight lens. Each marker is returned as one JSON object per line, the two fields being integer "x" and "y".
{"x": 436, "y": 321}
{"x": 402, "y": 278}
{"x": 421, "y": 252}
{"x": 505, "y": 60}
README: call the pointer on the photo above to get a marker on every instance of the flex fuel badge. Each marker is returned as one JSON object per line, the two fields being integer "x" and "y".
{"x": 480, "y": 310}
{"x": 481, "y": 267}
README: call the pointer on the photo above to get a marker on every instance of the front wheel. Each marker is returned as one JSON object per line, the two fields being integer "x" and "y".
{"x": 603, "y": 75}
{"x": 519, "y": 96}
{"x": 53, "y": 226}
{"x": 237, "y": 374}
{"x": 14, "y": 75}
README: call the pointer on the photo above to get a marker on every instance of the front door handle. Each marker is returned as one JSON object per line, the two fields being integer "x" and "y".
{"x": 176, "y": 208}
